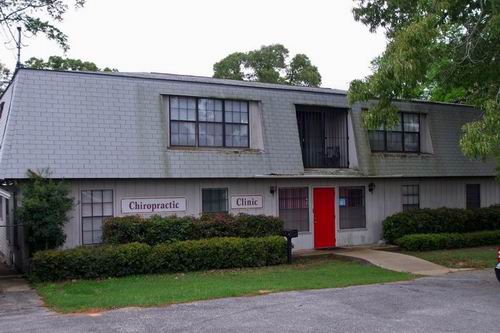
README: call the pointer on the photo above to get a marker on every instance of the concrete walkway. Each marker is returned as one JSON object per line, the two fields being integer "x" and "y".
{"x": 17, "y": 299}
{"x": 394, "y": 261}
{"x": 11, "y": 281}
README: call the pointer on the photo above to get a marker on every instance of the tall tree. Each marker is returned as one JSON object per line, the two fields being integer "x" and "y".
{"x": 37, "y": 16}
{"x": 5, "y": 77}
{"x": 60, "y": 63}
{"x": 269, "y": 64}
{"x": 437, "y": 50}
{"x": 301, "y": 72}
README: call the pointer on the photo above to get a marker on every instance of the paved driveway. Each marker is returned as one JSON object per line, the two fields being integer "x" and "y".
{"x": 458, "y": 302}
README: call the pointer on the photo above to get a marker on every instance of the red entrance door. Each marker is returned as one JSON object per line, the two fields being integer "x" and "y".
{"x": 324, "y": 217}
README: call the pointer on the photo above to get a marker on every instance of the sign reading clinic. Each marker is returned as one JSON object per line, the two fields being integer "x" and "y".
{"x": 153, "y": 205}
{"x": 246, "y": 201}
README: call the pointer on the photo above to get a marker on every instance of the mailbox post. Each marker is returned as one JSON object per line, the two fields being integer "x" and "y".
{"x": 289, "y": 234}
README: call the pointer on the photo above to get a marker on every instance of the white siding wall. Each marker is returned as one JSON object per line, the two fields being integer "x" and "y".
{"x": 383, "y": 201}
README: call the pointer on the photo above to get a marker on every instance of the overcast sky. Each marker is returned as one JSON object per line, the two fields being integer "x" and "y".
{"x": 189, "y": 36}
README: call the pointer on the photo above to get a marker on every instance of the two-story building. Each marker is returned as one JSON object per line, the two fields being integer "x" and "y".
{"x": 146, "y": 143}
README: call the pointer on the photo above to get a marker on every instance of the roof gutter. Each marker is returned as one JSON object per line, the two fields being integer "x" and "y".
{"x": 324, "y": 176}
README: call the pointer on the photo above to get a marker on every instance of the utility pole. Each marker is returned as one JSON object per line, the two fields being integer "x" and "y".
{"x": 18, "y": 44}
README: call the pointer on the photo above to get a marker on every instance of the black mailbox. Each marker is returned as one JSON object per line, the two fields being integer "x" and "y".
{"x": 289, "y": 234}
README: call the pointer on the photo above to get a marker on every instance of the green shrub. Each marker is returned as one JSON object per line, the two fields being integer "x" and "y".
{"x": 139, "y": 258}
{"x": 44, "y": 210}
{"x": 441, "y": 220}
{"x": 157, "y": 229}
{"x": 126, "y": 229}
{"x": 427, "y": 242}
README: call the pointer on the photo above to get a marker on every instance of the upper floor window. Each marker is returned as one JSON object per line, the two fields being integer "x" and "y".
{"x": 323, "y": 134}
{"x": 405, "y": 137}
{"x": 206, "y": 122}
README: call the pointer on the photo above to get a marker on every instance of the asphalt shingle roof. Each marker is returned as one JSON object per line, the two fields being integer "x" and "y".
{"x": 112, "y": 125}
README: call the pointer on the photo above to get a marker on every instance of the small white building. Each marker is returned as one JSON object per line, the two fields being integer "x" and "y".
{"x": 145, "y": 143}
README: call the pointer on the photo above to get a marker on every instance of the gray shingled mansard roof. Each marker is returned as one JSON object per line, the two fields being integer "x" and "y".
{"x": 112, "y": 125}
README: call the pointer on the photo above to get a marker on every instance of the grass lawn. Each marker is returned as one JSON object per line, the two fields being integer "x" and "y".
{"x": 153, "y": 290}
{"x": 474, "y": 257}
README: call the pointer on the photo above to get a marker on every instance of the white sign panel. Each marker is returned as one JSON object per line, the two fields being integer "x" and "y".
{"x": 153, "y": 205}
{"x": 246, "y": 201}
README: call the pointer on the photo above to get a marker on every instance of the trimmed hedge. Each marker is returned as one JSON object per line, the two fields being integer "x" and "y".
{"x": 139, "y": 258}
{"x": 158, "y": 230}
{"x": 441, "y": 220}
{"x": 427, "y": 242}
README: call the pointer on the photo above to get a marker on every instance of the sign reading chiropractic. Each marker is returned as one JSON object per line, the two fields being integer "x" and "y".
{"x": 246, "y": 201}
{"x": 153, "y": 205}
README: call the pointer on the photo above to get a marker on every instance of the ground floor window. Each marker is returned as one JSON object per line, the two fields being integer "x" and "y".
{"x": 214, "y": 200}
{"x": 294, "y": 208}
{"x": 410, "y": 197}
{"x": 96, "y": 205}
{"x": 472, "y": 196}
{"x": 352, "y": 212}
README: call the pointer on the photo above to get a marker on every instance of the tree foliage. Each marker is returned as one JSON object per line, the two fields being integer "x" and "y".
{"x": 60, "y": 63}
{"x": 437, "y": 50}
{"x": 269, "y": 64}
{"x": 44, "y": 211}
{"x": 5, "y": 76}
{"x": 37, "y": 17}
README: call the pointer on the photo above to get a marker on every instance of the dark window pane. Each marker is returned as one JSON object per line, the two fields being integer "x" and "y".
{"x": 352, "y": 213}
{"x": 87, "y": 224}
{"x": 411, "y": 122}
{"x": 96, "y": 196}
{"x": 214, "y": 200}
{"x": 183, "y": 108}
{"x": 86, "y": 196}
{"x": 97, "y": 223}
{"x": 97, "y": 236}
{"x": 183, "y": 133}
{"x": 107, "y": 196}
{"x": 377, "y": 140}
{"x": 190, "y": 120}
{"x": 86, "y": 209}
{"x": 412, "y": 142}
{"x": 210, "y": 110}
{"x": 394, "y": 141}
{"x": 87, "y": 237}
{"x": 472, "y": 196}
{"x": 97, "y": 209}
{"x": 210, "y": 134}
{"x": 396, "y": 128}
{"x": 294, "y": 208}
{"x": 237, "y": 135}
{"x": 236, "y": 112}
{"x": 107, "y": 209}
